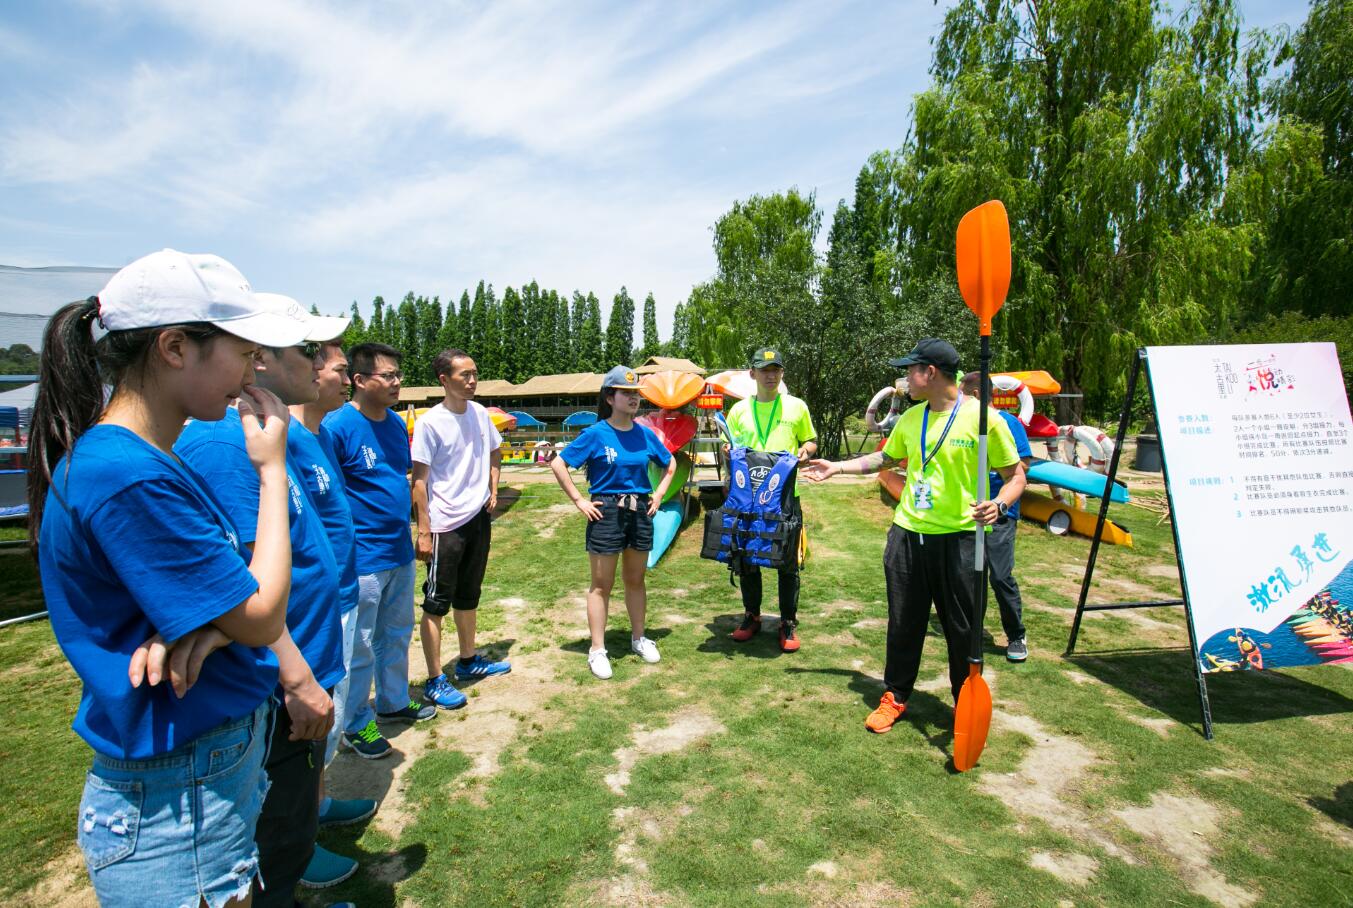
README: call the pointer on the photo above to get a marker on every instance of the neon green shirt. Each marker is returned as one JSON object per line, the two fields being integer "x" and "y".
{"x": 952, "y": 470}
{"x": 783, "y": 425}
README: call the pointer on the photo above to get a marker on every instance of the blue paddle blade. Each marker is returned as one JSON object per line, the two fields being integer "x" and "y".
{"x": 723, "y": 428}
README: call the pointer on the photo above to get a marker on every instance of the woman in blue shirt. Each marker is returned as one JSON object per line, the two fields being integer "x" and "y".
{"x": 619, "y": 508}
{"x": 145, "y": 579}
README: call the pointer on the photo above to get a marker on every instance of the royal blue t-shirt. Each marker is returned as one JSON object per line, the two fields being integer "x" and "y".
{"x": 1021, "y": 447}
{"x": 314, "y": 460}
{"x": 133, "y": 543}
{"x": 216, "y": 451}
{"x": 617, "y": 462}
{"x": 374, "y": 458}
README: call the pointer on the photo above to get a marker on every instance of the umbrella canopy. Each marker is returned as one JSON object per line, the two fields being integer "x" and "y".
{"x": 581, "y": 419}
{"x": 737, "y": 384}
{"x": 502, "y": 420}
{"x": 526, "y": 420}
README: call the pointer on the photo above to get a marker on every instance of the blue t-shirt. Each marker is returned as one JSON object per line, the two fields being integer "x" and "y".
{"x": 1021, "y": 447}
{"x": 216, "y": 451}
{"x": 314, "y": 459}
{"x": 374, "y": 458}
{"x": 133, "y": 543}
{"x": 617, "y": 462}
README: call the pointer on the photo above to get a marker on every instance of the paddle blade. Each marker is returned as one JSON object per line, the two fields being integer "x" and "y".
{"x": 972, "y": 720}
{"x": 984, "y": 261}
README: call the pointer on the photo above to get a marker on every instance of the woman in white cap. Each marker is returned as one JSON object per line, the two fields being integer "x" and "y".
{"x": 150, "y": 596}
{"x": 619, "y": 508}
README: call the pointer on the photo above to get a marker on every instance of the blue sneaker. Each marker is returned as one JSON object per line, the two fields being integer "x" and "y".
{"x": 479, "y": 667}
{"x": 439, "y": 692}
{"x": 327, "y": 869}
{"x": 341, "y": 813}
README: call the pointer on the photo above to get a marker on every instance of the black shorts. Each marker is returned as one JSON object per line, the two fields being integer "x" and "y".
{"x": 620, "y": 528}
{"x": 456, "y": 573}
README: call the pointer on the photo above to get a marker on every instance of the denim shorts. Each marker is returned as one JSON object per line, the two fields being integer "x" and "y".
{"x": 619, "y": 528}
{"x": 179, "y": 827}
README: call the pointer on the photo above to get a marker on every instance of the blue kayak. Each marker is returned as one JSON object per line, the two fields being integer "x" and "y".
{"x": 1077, "y": 479}
{"x": 666, "y": 523}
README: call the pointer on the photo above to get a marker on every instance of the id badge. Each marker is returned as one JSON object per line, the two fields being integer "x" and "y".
{"x": 921, "y": 495}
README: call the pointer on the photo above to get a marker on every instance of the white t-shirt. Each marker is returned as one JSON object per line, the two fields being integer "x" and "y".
{"x": 456, "y": 448}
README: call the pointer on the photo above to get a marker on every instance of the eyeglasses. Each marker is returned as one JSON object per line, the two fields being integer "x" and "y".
{"x": 395, "y": 376}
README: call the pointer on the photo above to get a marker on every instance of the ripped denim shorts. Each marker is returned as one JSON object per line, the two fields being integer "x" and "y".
{"x": 177, "y": 828}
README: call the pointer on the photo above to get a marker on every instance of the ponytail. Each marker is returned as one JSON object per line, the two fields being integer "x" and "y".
{"x": 69, "y": 401}
{"x": 71, "y": 377}
{"x": 604, "y": 405}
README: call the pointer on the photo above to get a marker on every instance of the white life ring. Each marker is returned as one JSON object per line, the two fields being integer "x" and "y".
{"x": 1099, "y": 445}
{"x": 1008, "y": 384}
{"x": 885, "y": 425}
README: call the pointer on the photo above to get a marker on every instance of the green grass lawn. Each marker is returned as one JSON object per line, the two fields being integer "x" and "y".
{"x": 735, "y": 775}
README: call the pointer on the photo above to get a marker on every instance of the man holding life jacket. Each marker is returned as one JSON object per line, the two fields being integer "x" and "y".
{"x": 772, "y": 422}
{"x": 929, "y": 557}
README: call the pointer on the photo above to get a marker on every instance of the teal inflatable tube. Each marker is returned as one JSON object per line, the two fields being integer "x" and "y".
{"x": 666, "y": 524}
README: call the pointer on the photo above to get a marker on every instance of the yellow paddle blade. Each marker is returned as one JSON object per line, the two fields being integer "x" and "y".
{"x": 972, "y": 720}
{"x": 984, "y": 261}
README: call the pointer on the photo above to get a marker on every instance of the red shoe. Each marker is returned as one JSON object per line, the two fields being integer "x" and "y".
{"x": 750, "y": 627}
{"x": 789, "y": 641}
{"x": 881, "y": 720}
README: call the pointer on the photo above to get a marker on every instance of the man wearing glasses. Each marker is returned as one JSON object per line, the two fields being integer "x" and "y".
{"x": 372, "y": 448}
{"x": 310, "y": 651}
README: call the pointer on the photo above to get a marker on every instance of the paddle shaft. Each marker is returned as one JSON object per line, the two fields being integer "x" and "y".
{"x": 983, "y": 483}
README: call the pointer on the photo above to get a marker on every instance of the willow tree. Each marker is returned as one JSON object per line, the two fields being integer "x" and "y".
{"x": 1109, "y": 130}
{"x": 764, "y": 248}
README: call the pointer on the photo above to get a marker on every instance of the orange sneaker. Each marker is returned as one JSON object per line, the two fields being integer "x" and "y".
{"x": 789, "y": 640}
{"x": 882, "y": 719}
{"x": 751, "y": 625}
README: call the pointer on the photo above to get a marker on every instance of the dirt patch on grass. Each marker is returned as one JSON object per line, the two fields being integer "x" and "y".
{"x": 1073, "y": 869}
{"x": 1054, "y": 768}
{"x": 551, "y": 518}
{"x": 687, "y": 726}
{"x": 840, "y": 605}
{"x": 65, "y": 884}
{"x": 1184, "y": 828}
{"x": 865, "y": 623}
{"x": 846, "y": 882}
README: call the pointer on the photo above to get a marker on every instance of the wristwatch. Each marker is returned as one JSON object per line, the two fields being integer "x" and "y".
{"x": 1002, "y": 508}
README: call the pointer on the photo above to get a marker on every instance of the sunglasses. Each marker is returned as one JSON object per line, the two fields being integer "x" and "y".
{"x": 310, "y": 349}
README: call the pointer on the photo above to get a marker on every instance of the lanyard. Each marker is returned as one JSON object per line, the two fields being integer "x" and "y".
{"x": 939, "y": 443}
{"x": 764, "y": 437}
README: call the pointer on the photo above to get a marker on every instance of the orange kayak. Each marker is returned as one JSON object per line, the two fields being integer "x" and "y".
{"x": 671, "y": 390}
{"x": 893, "y": 483}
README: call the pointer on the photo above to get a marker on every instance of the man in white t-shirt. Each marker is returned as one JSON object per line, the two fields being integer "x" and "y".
{"x": 456, "y": 459}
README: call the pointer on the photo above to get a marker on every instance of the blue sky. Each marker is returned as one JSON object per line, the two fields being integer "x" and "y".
{"x": 334, "y": 151}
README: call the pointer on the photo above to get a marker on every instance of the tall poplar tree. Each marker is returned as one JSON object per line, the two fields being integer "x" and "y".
{"x": 652, "y": 343}
{"x": 620, "y": 330}
{"x": 592, "y": 358}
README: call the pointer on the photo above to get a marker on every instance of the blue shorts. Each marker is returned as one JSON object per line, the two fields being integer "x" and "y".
{"x": 178, "y": 826}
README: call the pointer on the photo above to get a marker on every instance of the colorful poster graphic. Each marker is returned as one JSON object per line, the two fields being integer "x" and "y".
{"x": 1258, "y": 446}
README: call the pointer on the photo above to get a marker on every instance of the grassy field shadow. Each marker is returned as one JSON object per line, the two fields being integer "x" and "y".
{"x": 1163, "y": 680}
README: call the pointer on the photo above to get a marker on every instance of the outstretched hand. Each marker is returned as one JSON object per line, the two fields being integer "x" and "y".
{"x": 818, "y": 470}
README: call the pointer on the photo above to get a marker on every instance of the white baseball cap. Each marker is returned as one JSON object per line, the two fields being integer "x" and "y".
{"x": 322, "y": 327}
{"x": 172, "y": 288}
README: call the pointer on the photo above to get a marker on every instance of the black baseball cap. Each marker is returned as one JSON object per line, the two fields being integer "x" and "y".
{"x": 766, "y": 356}
{"x": 929, "y": 351}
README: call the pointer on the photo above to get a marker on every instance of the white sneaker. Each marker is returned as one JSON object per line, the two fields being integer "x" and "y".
{"x": 600, "y": 665}
{"x": 647, "y": 649}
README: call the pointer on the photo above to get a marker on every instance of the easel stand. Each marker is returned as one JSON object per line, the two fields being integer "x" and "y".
{"x": 1081, "y": 608}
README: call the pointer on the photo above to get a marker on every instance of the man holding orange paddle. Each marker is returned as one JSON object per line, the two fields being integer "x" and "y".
{"x": 930, "y": 551}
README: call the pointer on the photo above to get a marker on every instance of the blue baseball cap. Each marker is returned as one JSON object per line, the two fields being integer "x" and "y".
{"x": 621, "y": 377}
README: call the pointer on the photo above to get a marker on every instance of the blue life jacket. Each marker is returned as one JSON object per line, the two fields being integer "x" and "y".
{"x": 757, "y": 526}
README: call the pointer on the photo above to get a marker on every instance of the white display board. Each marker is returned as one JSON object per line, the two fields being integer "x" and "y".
{"x": 1258, "y": 449}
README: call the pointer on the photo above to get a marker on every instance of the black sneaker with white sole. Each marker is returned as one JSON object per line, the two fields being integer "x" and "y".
{"x": 1017, "y": 650}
